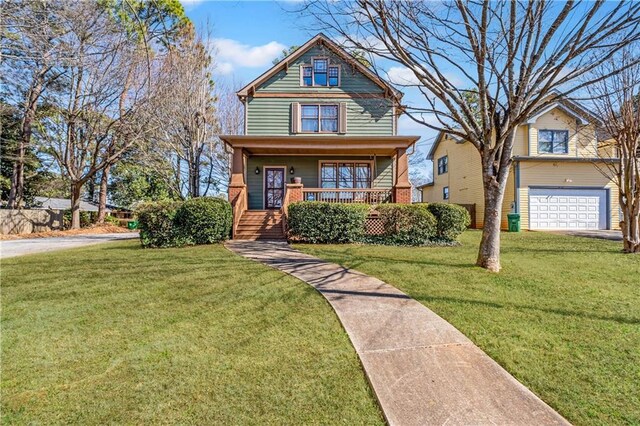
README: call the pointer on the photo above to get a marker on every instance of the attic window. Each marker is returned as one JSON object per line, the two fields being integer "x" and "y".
{"x": 320, "y": 74}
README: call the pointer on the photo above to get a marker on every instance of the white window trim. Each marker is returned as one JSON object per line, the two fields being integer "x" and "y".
{"x": 438, "y": 165}
{"x": 554, "y": 153}
{"x": 337, "y": 105}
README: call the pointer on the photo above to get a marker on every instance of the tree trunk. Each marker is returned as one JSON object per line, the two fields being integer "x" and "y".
{"x": 17, "y": 179}
{"x": 76, "y": 189}
{"x": 630, "y": 225}
{"x": 489, "y": 252}
{"x": 495, "y": 173}
{"x": 629, "y": 193}
{"x": 102, "y": 203}
{"x": 16, "y": 193}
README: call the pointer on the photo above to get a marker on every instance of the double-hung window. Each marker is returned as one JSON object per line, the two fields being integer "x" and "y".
{"x": 443, "y": 165}
{"x": 319, "y": 118}
{"x": 445, "y": 193}
{"x": 553, "y": 141}
{"x": 320, "y": 73}
{"x": 307, "y": 76}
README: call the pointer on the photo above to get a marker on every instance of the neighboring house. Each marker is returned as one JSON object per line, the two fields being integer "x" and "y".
{"x": 322, "y": 117}
{"x": 555, "y": 181}
{"x": 64, "y": 204}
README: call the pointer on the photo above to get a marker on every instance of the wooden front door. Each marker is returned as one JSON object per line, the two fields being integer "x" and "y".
{"x": 273, "y": 187}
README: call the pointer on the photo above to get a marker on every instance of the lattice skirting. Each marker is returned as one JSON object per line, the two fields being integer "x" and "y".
{"x": 373, "y": 225}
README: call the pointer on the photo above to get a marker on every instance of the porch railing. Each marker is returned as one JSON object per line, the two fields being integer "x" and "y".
{"x": 362, "y": 196}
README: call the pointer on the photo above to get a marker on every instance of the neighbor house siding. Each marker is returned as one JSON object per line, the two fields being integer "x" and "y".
{"x": 582, "y": 139}
{"x": 272, "y": 116}
{"x": 465, "y": 177}
{"x": 564, "y": 174}
{"x": 307, "y": 168}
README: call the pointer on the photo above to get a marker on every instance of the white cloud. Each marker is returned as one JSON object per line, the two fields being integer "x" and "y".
{"x": 224, "y": 68}
{"x": 402, "y": 76}
{"x": 189, "y": 4}
{"x": 233, "y": 53}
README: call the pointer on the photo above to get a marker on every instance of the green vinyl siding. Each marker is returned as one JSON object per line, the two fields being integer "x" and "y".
{"x": 272, "y": 116}
{"x": 307, "y": 168}
{"x": 352, "y": 80}
{"x": 370, "y": 116}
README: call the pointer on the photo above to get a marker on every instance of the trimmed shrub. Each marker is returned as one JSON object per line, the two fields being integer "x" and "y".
{"x": 203, "y": 220}
{"x": 155, "y": 221}
{"x": 320, "y": 222}
{"x": 452, "y": 220}
{"x": 407, "y": 224}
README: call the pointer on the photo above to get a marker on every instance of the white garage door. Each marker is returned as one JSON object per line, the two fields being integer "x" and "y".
{"x": 567, "y": 208}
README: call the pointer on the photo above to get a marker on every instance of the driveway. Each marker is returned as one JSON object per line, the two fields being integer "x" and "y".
{"x": 601, "y": 234}
{"x": 14, "y": 248}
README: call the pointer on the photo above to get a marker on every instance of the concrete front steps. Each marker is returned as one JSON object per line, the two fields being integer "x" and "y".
{"x": 260, "y": 225}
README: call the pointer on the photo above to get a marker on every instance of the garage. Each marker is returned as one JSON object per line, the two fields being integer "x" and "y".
{"x": 568, "y": 208}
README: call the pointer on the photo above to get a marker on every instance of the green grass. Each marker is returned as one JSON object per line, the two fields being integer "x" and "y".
{"x": 563, "y": 317}
{"x": 117, "y": 334}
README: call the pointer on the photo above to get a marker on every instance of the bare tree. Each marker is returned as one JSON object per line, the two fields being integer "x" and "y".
{"x": 183, "y": 110}
{"x": 616, "y": 100}
{"x": 82, "y": 133}
{"x": 517, "y": 58}
{"x": 31, "y": 49}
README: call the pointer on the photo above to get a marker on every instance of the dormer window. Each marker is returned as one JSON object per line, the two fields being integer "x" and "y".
{"x": 320, "y": 74}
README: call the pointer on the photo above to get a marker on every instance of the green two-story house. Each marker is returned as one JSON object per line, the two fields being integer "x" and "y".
{"x": 319, "y": 126}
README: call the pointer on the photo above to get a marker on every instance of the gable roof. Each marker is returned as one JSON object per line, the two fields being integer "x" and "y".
{"x": 320, "y": 39}
{"x": 568, "y": 106}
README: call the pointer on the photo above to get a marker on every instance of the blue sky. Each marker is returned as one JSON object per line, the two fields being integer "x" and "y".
{"x": 248, "y": 35}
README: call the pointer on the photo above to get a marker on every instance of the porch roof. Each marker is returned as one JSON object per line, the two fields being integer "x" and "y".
{"x": 320, "y": 144}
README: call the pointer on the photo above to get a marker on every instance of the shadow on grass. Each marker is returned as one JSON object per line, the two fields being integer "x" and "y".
{"x": 564, "y": 312}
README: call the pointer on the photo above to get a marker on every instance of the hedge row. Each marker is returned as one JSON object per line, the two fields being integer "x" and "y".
{"x": 320, "y": 222}
{"x": 202, "y": 220}
{"x": 404, "y": 224}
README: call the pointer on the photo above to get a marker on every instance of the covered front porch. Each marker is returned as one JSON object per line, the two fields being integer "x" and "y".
{"x": 270, "y": 172}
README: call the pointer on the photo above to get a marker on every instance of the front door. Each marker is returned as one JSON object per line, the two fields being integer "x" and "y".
{"x": 273, "y": 187}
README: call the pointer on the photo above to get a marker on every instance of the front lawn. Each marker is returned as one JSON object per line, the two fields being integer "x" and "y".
{"x": 563, "y": 317}
{"x": 115, "y": 334}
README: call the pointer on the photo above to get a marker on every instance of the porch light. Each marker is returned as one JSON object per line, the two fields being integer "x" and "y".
{"x": 257, "y": 170}
{"x": 291, "y": 171}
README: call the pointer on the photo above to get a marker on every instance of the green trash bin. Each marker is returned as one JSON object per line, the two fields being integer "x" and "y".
{"x": 132, "y": 224}
{"x": 514, "y": 222}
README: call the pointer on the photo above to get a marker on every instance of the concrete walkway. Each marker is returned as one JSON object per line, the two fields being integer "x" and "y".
{"x": 422, "y": 369}
{"x": 12, "y": 248}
